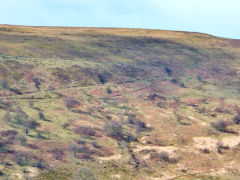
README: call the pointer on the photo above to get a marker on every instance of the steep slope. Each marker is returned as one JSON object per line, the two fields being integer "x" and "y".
{"x": 118, "y": 104}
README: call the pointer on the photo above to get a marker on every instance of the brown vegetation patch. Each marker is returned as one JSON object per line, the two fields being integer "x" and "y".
{"x": 88, "y": 131}
{"x": 235, "y": 43}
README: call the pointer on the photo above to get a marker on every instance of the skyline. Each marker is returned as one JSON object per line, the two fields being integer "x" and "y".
{"x": 215, "y": 17}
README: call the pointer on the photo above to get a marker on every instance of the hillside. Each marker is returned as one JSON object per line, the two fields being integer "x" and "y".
{"x": 98, "y": 103}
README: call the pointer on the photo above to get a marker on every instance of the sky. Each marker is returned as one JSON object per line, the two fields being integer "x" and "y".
{"x": 216, "y": 17}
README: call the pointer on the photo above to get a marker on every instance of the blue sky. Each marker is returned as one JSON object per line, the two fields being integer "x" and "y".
{"x": 217, "y": 17}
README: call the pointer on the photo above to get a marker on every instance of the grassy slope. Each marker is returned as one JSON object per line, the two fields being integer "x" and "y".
{"x": 163, "y": 89}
